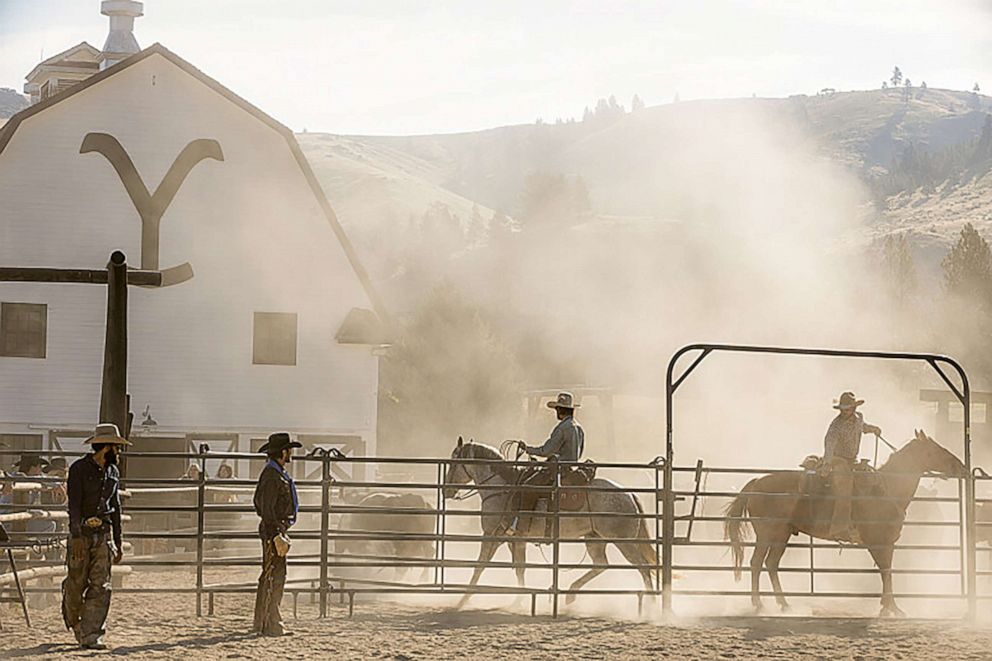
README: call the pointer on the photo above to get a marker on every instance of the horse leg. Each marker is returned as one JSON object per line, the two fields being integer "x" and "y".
{"x": 486, "y": 553}
{"x": 635, "y": 554}
{"x": 883, "y": 559}
{"x": 518, "y": 552}
{"x": 775, "y": 552}
{"x": 757, "y": 559}
{"x": 597, "y": 553}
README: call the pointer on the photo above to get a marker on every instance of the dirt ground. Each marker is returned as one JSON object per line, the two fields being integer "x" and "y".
{"x": 164, "y": 627}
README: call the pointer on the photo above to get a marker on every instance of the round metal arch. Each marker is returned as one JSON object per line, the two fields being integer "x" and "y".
{"x": 935, "y": 361}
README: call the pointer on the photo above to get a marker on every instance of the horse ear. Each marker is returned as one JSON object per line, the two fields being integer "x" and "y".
{"x": 459, "y": 442}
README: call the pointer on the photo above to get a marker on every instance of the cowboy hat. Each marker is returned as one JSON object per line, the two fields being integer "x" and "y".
{"x": 56, "y": 464}
{"x": 564, "y": 401}
{"x": 279, "y": 441}
{"x": 107, "y": 432}
{"x": 29, "y": 461}
{"x": 847, "y": 401}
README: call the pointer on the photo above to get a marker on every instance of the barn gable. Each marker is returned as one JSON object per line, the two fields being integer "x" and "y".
{"x": 8, "y": 130}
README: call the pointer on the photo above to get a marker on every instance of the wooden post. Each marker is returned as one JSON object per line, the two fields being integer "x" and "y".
{"x": 113, "y": 397}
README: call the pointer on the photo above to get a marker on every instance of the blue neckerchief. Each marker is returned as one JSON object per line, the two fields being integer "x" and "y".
{"x": 292, "y": 488}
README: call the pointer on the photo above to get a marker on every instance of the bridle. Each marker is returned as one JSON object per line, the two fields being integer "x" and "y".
{"x": 475, "y": 489}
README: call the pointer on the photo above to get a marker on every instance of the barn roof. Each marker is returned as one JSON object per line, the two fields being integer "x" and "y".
{"x": 7, "y": 132}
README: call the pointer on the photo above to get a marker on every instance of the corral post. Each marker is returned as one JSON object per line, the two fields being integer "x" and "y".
{"x": 962, "y": 539}
{"x": 969, "y": 489}
{"x": 439, "y": 523}
{"x": 442, "y": 505}
{"x": 657, "y": 525}
{"x": 556, "y": 529}
{"x": 200, "y": 492}
{"x": 668, "y": 506}
{"x": 113, "y": 395}
{"x": 325, "y": 524}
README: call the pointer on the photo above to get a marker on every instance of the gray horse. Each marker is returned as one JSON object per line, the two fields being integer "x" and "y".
{"x": 602, "y": 505}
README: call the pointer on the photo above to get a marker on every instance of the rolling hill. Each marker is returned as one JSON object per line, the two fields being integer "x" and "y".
{"x": 666, "y": 162}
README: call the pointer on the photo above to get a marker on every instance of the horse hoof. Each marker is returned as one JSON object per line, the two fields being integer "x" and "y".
{"x": 784, "y": 607}
{"x": 757, "y": 609}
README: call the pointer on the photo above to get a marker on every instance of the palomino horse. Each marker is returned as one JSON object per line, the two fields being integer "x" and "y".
{"x": 777, "y": 509}
{"x": 600, "y": 523}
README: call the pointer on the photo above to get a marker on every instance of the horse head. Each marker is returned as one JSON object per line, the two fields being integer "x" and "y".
{"x": 935, "y": 458}
{"x": 458, "y": 473}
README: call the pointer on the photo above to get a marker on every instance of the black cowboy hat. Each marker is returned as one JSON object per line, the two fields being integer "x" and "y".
{"x": 279, "y": 441}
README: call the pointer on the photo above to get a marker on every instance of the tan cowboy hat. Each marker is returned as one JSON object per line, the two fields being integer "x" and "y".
{"x": 107, "y": 432}
{"x": 564, "y": 401}
{"x": 847, "y": 401}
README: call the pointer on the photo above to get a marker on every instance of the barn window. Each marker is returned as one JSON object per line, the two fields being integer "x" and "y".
{"x": 274, "y": 338}
{"x": 23, "y": 330}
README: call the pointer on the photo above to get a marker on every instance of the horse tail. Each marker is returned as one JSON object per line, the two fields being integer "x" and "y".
{"x": 647, "y": 549}
{"x": 734, "y": 527}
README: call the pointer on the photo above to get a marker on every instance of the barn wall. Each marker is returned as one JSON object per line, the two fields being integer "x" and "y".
{"x": 251, "y": 228}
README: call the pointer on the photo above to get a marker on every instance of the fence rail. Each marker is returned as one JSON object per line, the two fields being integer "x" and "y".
{"x": 348, "y": 562}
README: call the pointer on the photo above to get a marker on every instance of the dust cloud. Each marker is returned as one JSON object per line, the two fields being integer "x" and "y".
{"x": 733, "y": 228}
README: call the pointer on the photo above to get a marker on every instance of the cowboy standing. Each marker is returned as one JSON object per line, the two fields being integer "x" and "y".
{"x": 566, "y": 443}
{"x": 94, "y": 536}
{"x": 840, "y": 452}
{"x": 277, "y": 504}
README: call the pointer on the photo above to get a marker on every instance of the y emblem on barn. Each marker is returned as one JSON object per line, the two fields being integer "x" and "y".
{"x": 151, "y": 206}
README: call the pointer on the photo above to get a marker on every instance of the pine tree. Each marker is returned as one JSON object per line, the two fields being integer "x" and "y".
{"x": 968, "y": 269}
{"x": 636, "y": 104}
{"x": 885, "y": 84}
{"x": 896, "y": 77}
{"x": 587, "y": 116}
{"x": 676, "y": 98}
{"x": 976, "y": 89}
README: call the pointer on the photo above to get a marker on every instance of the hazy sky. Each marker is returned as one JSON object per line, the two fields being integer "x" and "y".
{"x": 403, "y": 66}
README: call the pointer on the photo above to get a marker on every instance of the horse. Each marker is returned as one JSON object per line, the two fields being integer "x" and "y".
{"x": 777, "y": 509}
{"x": 414, "y": 520}
{"x": 605, "y": 499}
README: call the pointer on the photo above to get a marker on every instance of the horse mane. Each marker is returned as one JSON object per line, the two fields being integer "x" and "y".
{"x": 483, "y": 451}
{"x": 893, "y": 459}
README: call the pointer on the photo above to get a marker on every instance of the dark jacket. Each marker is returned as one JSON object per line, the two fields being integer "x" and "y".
{"x": 94, "y": 491}
{"x": 273, "y": 503}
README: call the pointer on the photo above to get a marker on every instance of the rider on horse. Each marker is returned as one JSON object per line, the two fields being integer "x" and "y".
{"x": 566, "y": 443}
{"x": 840, "y": 454}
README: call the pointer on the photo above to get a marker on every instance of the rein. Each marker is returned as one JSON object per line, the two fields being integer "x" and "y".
{"x": 472, "y": 492}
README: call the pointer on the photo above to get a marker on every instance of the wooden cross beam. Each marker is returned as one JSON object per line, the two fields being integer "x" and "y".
{"x": 113, "y": 396}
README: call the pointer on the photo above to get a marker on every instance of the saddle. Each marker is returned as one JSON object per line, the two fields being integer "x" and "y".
{"x": 815, "y": 479}
{"x": 570, "y": 499}
{"x": 573, "y": 500}
{"x": 817, "y": 504}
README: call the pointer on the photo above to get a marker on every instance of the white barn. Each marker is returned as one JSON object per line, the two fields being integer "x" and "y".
{"x": 276, "y": 330}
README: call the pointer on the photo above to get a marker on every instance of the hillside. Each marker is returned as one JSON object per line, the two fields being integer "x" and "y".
{"x": 11, "y": 102}
{"x": 641, "y": 164}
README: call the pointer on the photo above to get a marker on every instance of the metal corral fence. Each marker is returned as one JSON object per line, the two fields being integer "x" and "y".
{"x": 347, "y": 543}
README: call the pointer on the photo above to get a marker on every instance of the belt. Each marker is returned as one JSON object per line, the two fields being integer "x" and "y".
{"x": 93, "y": 525}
